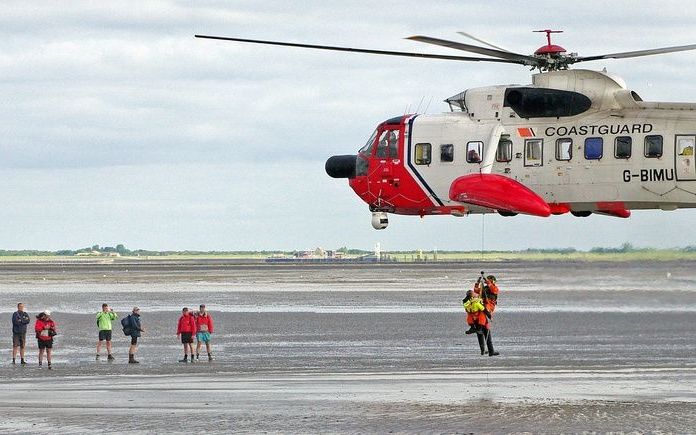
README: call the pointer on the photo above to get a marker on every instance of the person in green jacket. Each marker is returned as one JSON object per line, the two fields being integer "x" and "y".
{"x": 104, "y": 319}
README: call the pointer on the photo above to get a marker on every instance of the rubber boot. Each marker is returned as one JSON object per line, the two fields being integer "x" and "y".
{"x": 482, "y": 342}
{"x": 489, "y": 343}
{"x": 471, "y": 330}
{"x": 185, "y": 360}
{"x": 131, "y": 359}
{"x": 22, "y": 362}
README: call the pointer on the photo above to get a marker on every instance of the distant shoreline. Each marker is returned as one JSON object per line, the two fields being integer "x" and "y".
{"x": 391, "y": 258}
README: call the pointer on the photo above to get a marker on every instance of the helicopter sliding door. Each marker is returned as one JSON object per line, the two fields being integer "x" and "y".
{"x": 684, "y": 164}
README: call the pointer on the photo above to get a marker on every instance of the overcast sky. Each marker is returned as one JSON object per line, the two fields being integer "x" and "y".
{"x": 117, "y": 126}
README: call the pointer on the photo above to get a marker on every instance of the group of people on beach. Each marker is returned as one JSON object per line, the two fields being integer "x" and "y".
{"x": 479, "y": 304}
{"x": 198, "y": 324}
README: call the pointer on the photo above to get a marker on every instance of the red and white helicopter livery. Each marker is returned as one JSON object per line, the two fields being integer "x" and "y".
{"x": 573, "y": 141}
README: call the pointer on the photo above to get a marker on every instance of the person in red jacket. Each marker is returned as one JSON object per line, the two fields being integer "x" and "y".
{"x": 204, "y": 327}
{"x": 186, "y": 328}
{"x": 45, "y": 329}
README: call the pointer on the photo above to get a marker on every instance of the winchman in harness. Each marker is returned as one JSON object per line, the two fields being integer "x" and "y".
{"x": 479, "y": 304}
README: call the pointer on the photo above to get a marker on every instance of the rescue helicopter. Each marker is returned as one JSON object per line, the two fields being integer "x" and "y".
{"x": 573, "y": 141}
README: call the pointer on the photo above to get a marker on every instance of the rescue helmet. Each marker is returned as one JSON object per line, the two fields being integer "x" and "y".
{"x": 491, "y": 278}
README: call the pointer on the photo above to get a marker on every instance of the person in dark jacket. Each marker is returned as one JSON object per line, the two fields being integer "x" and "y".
{"x": 135, "y": 331}
{"x": 20, "y": 320}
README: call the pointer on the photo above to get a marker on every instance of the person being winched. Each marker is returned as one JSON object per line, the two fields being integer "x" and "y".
{"x": 477, "y": 319}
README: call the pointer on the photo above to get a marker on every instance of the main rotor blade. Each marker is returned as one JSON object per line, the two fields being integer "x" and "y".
{"x": 638, "y": 53}
{"x": 362, "y": 50}
{"x": 470, "y": 36}
{"x": 520, "y": 58}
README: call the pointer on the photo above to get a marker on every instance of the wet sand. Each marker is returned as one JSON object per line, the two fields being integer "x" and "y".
{"x": 362, "y": 349}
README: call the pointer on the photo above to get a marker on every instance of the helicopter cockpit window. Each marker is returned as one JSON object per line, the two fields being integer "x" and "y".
{"x": 423, "y": 153}
{"x": 388, "y": 144}
{"x": 622, "y": 147}
{"x": 447, "y": 152}
{"x": 504, "y": 151}
{"x": 474, "y": 151}
{"x": 369, "y": 146}
{"x": 533, "y": 152}
{"x": 653, "y": 146}
{"x": 594, "y": 148}
{"x": 564, "y": 149}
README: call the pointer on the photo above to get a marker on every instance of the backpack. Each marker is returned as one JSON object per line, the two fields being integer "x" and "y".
{"x": 126, "y": 324}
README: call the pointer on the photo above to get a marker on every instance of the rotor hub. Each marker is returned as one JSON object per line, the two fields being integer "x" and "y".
{"x": 550, "y": 49}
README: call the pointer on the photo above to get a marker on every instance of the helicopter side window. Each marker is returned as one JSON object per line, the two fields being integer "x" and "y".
{"x": 533, "y": 152}
{"x": 423, "y": 153}
{"x": 369, "y": 145}
{"x": 564, "y": 149}
{"x": 447, "y": 152}
{"x": 473, "y": 152}
{"x": 653, "y": 146}
{"x": 387, "y": 146}
{"x": 685, "y": 145}
{"x": 594, "y": 148}
{"x": 622, "y": 147}
{"x": 504, "y": 151}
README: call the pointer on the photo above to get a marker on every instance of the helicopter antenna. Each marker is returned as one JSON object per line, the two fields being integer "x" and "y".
{"x": 429, "y": 101}
{"x": 420, "y": 104}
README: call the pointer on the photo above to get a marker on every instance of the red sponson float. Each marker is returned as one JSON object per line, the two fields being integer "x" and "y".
{"x": 499, "y": 193}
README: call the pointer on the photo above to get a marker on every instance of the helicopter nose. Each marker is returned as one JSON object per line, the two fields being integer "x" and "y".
{"x": 341, "y": 166}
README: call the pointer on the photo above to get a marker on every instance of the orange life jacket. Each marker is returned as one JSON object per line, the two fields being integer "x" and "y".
{"x": 478, "y": 318}
{"x": 490, "y": 296}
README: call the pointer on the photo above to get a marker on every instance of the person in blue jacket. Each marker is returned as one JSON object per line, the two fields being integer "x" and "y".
{"x": 20, "y": 320}
{"x": 136, "y": 330}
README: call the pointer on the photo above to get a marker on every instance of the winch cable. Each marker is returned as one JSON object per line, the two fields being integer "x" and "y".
{"x": 483, "y": 234}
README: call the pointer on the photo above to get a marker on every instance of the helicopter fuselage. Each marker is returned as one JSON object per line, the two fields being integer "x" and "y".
{"x": 572, "y": 142}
